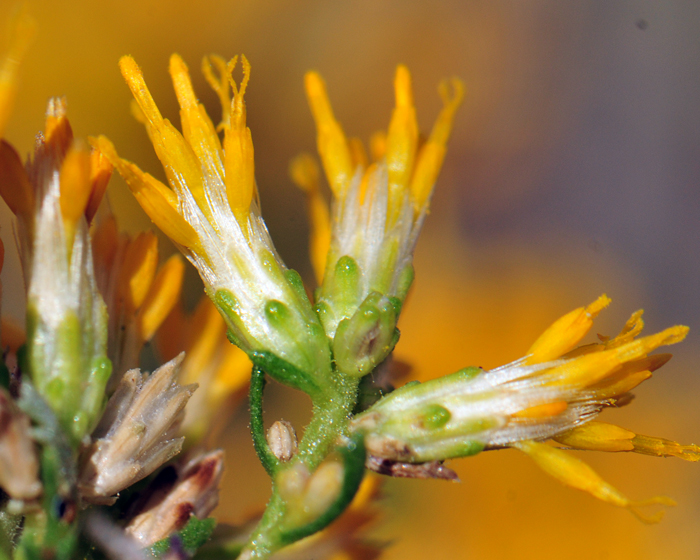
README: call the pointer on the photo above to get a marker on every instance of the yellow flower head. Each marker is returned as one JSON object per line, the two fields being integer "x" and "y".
{"x": 555, "y": 392}
{"x": 378, "y": 208}
{"x": 54, "y": 197}
{"x": 212, "y": 214}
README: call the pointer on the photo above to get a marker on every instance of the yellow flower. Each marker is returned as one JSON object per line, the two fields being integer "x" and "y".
{"x": 378, "y": 208}
{"x": 212, "y": 214}
{"x": 554, "y": 392}
{"x": 54, "y": 197}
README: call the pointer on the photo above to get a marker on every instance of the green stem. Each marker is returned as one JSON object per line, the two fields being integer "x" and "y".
{"x": 330, "y": 420}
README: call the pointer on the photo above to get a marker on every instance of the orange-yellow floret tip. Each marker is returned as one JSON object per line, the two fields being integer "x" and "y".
{"x": 75, "y": 185}
{"x": 401, "y": 142}
{"x": 239, "y": 162}
{"x": 58, "y": 134}
{"x": 332, "y": 143}
{"x": 22, "y": 29}
{"x": 15, "y": 188}
{"x": 305, "y": 173}
{"x": 134, "y": 78}
{"x": 432, "y": 153}
{"x": 138, "y": 270}
{"x": 576, "y": 474}
{"x": 162, "y": 296}
{"x": 565, "y": 333}
{"x": 100, "y": 174}
{"x": 157, "y": 200}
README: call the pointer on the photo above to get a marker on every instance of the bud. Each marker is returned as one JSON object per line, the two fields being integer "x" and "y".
{"x": 19, "y": 467}
{"x": 137, "y": 432}
{"x": 282, "y": 440}
{"x": 362, "y": 342}
{"x": 195, "y": 491}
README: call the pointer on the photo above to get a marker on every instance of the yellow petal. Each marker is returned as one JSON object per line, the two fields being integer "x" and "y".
{"x": 75, "y": 186}
{"x": 232, "y": 374}
{"x": 332, "y": 143}
{"x": 197, "y": 127}
{"x": 591, "y": 368}
{"x": 162, "y": 296}
{"x": 565, "y": 333}
{"x": 207, "y": 329}
{"x": 628, "y": 376}
{"x": 138, "y": 269}
{"x": 239, "y": 163}
{"x": 219, "y": 83}
{"x": 22, "y": 29}
{"x": 15, "y": 188}
{"x": 157, "y": 200}
{"x": 304, "y": 171}
{"x": 577, "y": 474}
{"x": 597, "y": 436}
{"x": 179, "y": 161}
{"x": 543, "y": 410}
{"x": 100, "y": 174}
{"x": 401, "y": 142}
{"x": 432, "y": 153}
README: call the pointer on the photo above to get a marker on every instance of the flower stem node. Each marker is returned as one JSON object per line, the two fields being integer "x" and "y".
{"x": 368, "y": 337}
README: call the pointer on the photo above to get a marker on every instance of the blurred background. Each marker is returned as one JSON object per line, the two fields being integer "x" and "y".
{"x": 573, "y": 170}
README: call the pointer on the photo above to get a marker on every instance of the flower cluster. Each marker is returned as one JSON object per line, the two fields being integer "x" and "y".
{"x": 83, "y": 426}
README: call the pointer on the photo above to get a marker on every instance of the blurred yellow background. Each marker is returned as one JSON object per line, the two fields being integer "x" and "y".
{"x": 573, "y": 171}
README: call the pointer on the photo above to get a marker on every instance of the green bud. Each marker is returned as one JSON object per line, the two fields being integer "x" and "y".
{"x": 367, "y": 338}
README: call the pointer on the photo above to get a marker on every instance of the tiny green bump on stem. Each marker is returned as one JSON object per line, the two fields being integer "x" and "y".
{"x": 435, "y": 416}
